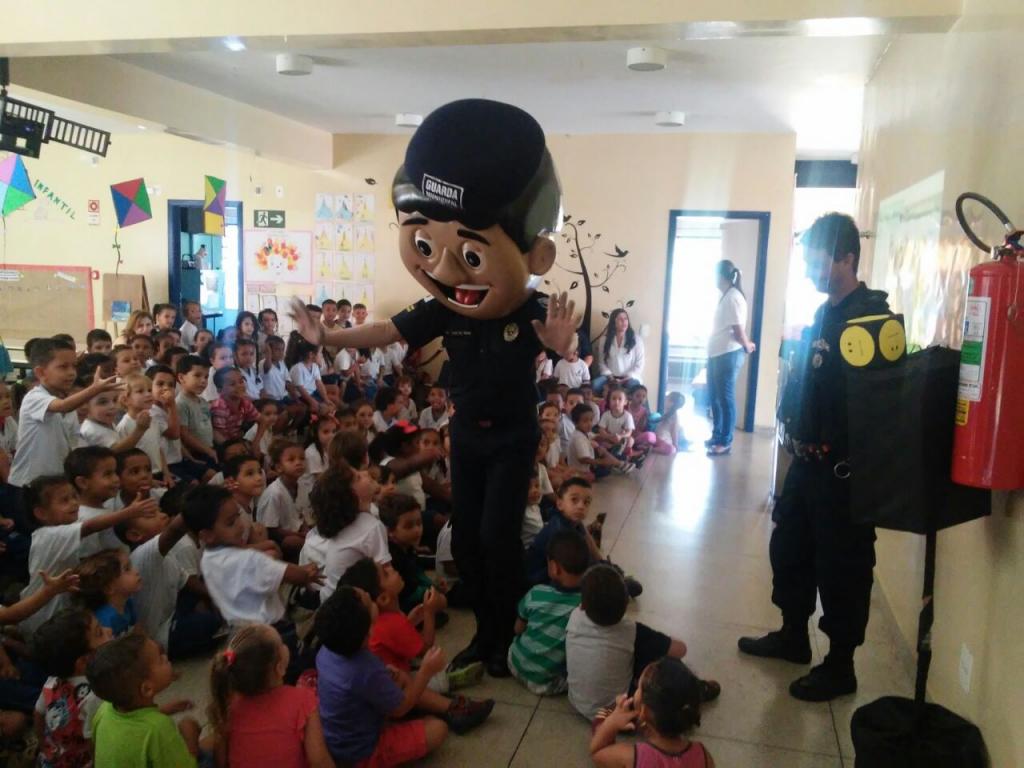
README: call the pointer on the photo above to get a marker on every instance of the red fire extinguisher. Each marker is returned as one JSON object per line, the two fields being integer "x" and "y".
{"x": 988, "y": 448}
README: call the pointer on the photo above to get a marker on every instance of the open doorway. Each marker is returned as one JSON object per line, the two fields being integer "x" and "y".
{"x": 698, "y": 240}
{"x": 205, "y": 268}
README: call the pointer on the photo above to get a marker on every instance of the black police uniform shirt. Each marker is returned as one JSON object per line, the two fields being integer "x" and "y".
{"x": 491, "y": 376}
{"x": 814, "y": 405}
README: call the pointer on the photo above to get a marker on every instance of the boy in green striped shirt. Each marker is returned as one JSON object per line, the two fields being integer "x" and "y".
{"x": 537, "y": 655}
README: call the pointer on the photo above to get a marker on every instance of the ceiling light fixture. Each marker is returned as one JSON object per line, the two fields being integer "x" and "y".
{"x": 408, "y": 120}
{"x": 670, "y": 119}
{"x": 646, "y": 59}
{"x": 234, "y": 44}
{"x": 294, "y": 64}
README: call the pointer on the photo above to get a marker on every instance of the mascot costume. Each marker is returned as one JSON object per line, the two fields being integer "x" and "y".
{"x": 477, "y": 199}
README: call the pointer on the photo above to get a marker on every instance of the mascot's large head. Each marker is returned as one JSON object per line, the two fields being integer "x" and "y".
{"x": 477, "y": 198}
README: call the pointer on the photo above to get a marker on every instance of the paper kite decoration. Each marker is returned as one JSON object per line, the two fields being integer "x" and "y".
{"x": 214, "y": 195}
{"x": 131, "y": 202}
{"x": 15, "y": 188}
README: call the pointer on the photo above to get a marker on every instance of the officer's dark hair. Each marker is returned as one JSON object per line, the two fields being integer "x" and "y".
{"x": 42, "y": 351}
{"x": 671, "y": 693}
{"x": 82, "y": 462}
{"x": 580, "y": 411}
{"x": 62, "y": 640}
{"x": 363, "y": 574}
{"x": 837, "y": 235}
{"x": 343, "y": 622}
{"x": 573, "y": 482}
{"x": 519, "y": 162}
{"x": 569, "y": 550}
{"x": 188, "y": 362}
{"x": 603, "y": 594}
{"x": 221, "y": 374}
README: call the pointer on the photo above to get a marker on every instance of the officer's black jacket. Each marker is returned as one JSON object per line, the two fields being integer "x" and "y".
{"x": 813, "y": 406}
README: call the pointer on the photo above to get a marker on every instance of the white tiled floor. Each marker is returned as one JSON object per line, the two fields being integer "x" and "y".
{"x": 695, "y": 532}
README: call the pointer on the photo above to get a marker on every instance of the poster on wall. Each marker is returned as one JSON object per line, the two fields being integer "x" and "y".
{"x": 925, "y": 277}
{"x": 364, "y": 208}
{"x": 281, "y": 257}
{"x": 324, "y": 210}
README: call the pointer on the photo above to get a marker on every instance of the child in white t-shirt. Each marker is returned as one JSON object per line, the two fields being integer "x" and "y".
{"x": 138, "y": 400}
{"x": 261, "y": 434}
{"x": 615, "y": 430}
{"x": 544, "y": 366}
{"x": 318, "y": 440}
{"x": 245, "y": 361}
{"x": 278, "y": 508}
{"x": 44, "y": 437}
{"x": 57, "y": 542}
{"x": 164, "y": 413}
{"x": 8, "y": 424}
{"x": 584, "y": 454}
{"x": 221, "y": 356}
{"x": 571, "y": 371}
{"x": 532, "y": 519}
{"x": 98, "y": 427}
{"x": 93, "y": 472}
{"x": 305, "y": 376}
{"x": 244, "y": 583}
{"x": 387, "y": 405}
{"x": 436, "y": 416}
{"x": 407, "y": 410}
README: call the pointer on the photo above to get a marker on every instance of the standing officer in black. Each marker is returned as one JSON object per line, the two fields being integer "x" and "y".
{"x": 815, "y": 548}
{"x": 476, "y": 200}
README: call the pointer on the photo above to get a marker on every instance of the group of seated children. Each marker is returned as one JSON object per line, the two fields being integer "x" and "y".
{"x": 160, "y": 512}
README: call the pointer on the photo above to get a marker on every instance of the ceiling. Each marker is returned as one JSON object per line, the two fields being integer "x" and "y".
{"x": 812, "y": 86}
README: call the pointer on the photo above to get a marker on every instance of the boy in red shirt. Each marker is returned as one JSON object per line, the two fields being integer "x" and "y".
{"x": 395, "y": 640}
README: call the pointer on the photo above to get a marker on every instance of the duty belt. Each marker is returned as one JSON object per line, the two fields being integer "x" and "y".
{"x": 821, "y": 453}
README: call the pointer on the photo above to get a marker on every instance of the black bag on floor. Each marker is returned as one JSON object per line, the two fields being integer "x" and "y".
{"x": 886, "y": 734}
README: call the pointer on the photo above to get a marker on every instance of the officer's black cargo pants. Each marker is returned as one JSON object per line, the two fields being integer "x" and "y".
{"x": 491, "y": 469}
{"x": 815, "y": 548}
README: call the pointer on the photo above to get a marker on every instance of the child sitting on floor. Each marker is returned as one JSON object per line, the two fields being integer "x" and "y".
{"x": 232, "y": 412}
{"x": 63, "y": 715}
{"x": 137, "y": 401}
{"x": 256, "y": 718}
{"x": 665, "y": 708}
{"x": 572, "y": 507}
{"x": 585, "y": 454}
{"x": 436, "y": 416}
{"x": 537, "y": 655}
{"x": 129, "y": 730}
{"x": 402, "y": 517}
{"x": 278, "y": 507}
{"x": 605, "y": 651}
{"x": 108, "y": 580}
{"x": 318, "y": 440}
{"x": 362, "y": 705}
{"x": 395, "y": 640}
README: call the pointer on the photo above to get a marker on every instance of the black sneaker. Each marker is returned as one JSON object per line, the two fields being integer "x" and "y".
{"x": 824, "y": 683}
{"x": 781, "y": 644}
{"x": 464, "y": 713}
{"x": 497, "y": 665}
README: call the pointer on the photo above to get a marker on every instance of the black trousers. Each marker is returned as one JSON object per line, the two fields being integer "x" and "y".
{"x": 490, "y": 469}
{"x": 816, "y": 549}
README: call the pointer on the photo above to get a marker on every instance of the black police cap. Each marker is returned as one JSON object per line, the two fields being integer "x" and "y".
{"x": 475, "y": 155}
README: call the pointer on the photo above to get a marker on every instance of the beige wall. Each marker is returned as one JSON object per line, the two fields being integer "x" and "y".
{"x": 955, "y": 103}
{"x": 624, "y": 185}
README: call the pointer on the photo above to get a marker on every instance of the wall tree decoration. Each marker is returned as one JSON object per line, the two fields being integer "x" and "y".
{"x": 582, "y": 246}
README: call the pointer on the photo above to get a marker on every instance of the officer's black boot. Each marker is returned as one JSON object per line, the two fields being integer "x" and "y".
{"x": 791, "y": 643}
{"x": 834, "y": 677}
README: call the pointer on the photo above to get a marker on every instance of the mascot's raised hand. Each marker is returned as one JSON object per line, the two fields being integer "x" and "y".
{"x": 558, "y": 331}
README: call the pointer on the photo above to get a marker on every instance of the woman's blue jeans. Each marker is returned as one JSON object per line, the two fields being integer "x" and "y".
{"x": 722, "y": 372}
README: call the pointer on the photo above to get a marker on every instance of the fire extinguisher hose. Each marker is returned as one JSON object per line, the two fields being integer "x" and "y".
{"x": 1013, "y": 233}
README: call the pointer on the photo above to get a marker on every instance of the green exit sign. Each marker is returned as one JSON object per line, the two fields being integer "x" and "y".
{"x": 268, "y": 219}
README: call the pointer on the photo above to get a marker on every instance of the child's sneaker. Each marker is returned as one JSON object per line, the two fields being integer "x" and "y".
{"x": 633, "y": 587}
{"x": 464, "y": 713}
{"x": 471, "y": 674}
{"x": 623, "y": 469}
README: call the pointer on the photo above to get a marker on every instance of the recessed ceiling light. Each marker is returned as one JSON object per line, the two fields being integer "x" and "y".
{"x": 670, "y": 119}
{"x": 408, "y": 120}
{"x": 646, "y": 59}
{"x": 234, "y": 44}
{"x": 294, "y": 64}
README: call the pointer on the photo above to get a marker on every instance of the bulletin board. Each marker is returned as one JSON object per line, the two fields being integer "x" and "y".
{"x": 44, "y": 300}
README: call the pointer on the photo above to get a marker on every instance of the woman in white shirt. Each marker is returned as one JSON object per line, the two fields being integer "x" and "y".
{"x": 622, "y": 354}
{"x": 727, "y": 345}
